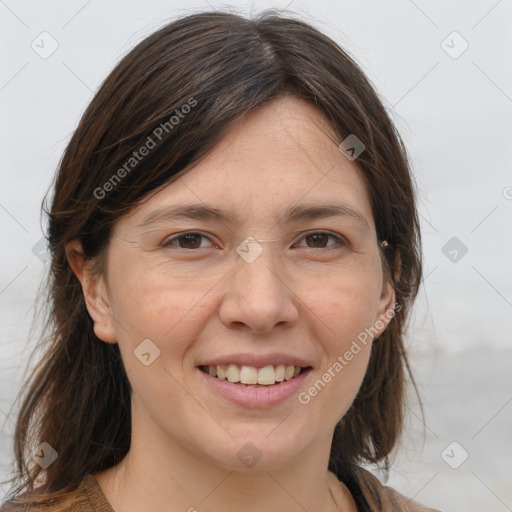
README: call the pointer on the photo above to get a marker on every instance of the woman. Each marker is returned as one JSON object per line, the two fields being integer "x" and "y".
{"x": 235, "y": 250}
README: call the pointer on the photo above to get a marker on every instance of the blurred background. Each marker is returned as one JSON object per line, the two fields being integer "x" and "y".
{"x": 442, "y": 71}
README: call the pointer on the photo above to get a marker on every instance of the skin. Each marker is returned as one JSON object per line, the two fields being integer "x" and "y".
{"x": 301, "y": 296}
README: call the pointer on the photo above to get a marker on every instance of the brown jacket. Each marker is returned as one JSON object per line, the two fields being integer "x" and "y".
{"x": 372, "y": 496}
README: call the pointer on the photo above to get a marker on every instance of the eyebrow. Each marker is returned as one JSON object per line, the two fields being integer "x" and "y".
{"x": 292, "y": 214}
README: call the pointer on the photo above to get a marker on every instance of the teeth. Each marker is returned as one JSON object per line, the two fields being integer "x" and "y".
{"x": 233, "y": 373}
{"x": 266, "y": 376}
{"x": 249, "y": 375}
{"x": 221, "y": 371}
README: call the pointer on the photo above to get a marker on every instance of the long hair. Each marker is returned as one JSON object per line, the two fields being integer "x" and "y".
{"x": 193, "y": 80}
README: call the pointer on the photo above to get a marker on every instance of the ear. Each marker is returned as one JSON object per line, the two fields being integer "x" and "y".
{"x": 95, "y": 293}
{"x": 387, "y": 299}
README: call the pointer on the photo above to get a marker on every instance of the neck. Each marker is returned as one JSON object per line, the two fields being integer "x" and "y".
{"x": 160, "y": 474}
{"x": 136, "y": 486}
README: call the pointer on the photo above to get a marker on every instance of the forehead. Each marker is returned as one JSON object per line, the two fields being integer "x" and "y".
{"x": 279, "y": 156}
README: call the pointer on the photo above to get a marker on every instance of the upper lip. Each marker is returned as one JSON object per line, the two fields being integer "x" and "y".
{"x": 259, "y": 361}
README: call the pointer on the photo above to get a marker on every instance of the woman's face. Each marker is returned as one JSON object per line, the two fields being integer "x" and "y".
{"x": 269, "y": 259}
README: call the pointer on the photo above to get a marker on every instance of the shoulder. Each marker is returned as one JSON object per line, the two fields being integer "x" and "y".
{"x": 388, "y": 498}
{"x": 370, "y": 494}
{"x": 87, "y": 497}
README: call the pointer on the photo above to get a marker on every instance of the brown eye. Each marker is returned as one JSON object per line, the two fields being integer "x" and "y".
{"x": 190, "y": 241}
{"x": 320, "y": 240}
{"x": 186, "y": 241}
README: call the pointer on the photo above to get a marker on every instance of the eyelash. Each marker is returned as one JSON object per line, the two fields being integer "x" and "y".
{"x": 168, "y": 241}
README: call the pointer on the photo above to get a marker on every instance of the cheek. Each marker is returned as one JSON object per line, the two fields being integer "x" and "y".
{"x": 345, "y": 310}
{"x": 171, "y": 318}
{"x": 150, "y": 304}
{"x": 346, "y": 306}
{"x": 346, "y": 348}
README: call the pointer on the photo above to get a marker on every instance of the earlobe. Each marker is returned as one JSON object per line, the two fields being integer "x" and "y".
{"x": 95, "y": 293}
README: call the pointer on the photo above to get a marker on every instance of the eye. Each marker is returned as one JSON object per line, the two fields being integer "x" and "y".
{"x": 190, "y": 240}
{"x": 193, "y": 240}
{"x": 319, "y": 239}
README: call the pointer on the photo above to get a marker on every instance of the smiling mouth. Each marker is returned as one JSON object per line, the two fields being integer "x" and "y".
{"x": 253, "y": 377}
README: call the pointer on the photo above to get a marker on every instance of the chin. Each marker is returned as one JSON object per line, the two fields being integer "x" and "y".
{"x": 255, "y": 448}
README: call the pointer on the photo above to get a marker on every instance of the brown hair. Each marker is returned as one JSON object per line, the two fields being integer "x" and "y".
{"x": 222, "y": 66}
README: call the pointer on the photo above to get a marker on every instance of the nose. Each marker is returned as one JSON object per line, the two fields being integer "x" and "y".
{"x": 258, "y": 297}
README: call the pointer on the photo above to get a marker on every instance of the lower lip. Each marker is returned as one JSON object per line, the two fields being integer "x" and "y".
{"x": 256, "y": 397}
